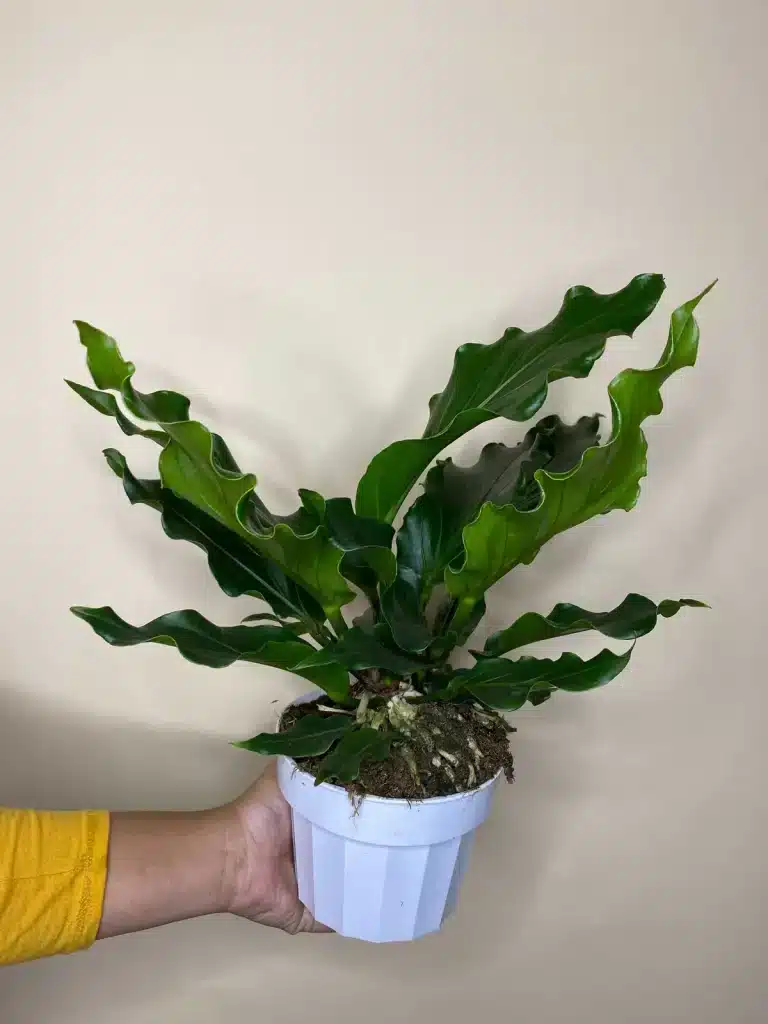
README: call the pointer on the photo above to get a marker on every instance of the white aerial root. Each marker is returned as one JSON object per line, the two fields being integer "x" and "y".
{"x": 362, "y": 707}
{"x": 333, "y": 711}
{"x": 476, "y": 751}
{"x": 438, "y": 763}
{"x": 401, "y": 714}
{"x": 410, "y": 759}
{"x": 409, "y": 692}
{"x": 471, "y": 777}
{"x": 377, "y": 718}
{"x": 482, "y": 714}
{"x": 448, "y": 757}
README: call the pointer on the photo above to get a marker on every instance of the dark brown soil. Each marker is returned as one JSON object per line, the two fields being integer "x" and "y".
{"x": 448, "y": 727}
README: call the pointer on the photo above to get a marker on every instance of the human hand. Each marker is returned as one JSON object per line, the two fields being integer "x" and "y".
{"x": 261, "y": 876}
{"x": 174, "y": 865}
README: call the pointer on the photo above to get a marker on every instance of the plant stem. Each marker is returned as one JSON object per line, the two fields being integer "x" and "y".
{"x": 321, "y": 635}
{"x": 362, "y": 707}
{"x": 461, "y": 614}
{"x": 334, "y": 711}
{"x": 336, "y": 619}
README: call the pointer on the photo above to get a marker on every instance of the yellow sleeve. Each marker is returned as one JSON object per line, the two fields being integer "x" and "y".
{"x": 53, "y": 872}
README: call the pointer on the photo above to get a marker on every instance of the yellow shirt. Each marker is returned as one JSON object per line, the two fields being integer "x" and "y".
{"x": 53, "y": 871}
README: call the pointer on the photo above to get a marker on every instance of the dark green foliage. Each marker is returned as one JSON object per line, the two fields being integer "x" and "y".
{"x": 470, "y": 526}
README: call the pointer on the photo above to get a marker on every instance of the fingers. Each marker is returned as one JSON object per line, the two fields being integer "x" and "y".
{"x": 309, "y": 924}
{"x": 321, "y": 928}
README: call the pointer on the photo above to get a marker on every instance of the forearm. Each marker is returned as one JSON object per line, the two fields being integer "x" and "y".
{"x": 168, "y": 866}
{"x": 70, "y": 877}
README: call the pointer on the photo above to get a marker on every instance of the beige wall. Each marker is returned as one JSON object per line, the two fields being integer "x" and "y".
{"x": 295, "y": 211}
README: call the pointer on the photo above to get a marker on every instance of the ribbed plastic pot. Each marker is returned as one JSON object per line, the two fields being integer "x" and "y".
{"x": 385, "y": 870}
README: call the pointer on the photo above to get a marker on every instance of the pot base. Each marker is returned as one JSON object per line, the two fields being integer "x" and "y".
{"x": 378, "y": 893}
{"x": 382, "y": 870}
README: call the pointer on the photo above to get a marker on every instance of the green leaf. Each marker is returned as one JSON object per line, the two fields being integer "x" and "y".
{"x": 607, "y": 476}
{"x": 634, "y": 617}
{"x": 508, "y": 378}
{"x": 402, "y": 608}
{"x": 506, "y": 685}
{"x": 236, "y": 566}
{"x": 110, "y": 372}
{"x": 536, "y": 697}
{"x": 189, "y": 469}
{"x": 106, "y": 404}
{"x": 199, "y": 468}
{"x": 269, "y": 617}
{"x": 144, "y": 492}
{"x": 345, "y": 760}
{"x": 430, "y": 538}
{"x": 358, "y": 649}
{"x": 311, "y": 736}
{"x": 368, "y": 560}
{"x": 107, "y": 367}
{"x": 203, "y": 643}
{"x": 455, "y": 634}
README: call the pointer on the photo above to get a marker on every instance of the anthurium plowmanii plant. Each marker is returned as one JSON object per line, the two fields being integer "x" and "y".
{"x": 395, "y": 716}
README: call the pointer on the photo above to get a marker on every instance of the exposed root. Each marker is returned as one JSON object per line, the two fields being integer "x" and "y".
{"x": 476, "y": 751}
{"x": 376, "y": 718}
{"x": 488, "y": 720}
{"x": 408, "y": 692}
{"x": 362, "y": 707}
{"x": 439, "y": 763}
{"x": 401, "y": 714}
{"x": 356, "y": 797}
{"x": 438, "y": 749}
{"x": 410, "y": 759}
{"x": 451, "y": 758}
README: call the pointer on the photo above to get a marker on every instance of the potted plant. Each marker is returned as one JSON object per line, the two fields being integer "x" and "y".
{"x": 390, "y": 761}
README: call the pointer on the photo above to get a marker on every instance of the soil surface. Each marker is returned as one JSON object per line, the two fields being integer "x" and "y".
{"x": 448, "y": 729}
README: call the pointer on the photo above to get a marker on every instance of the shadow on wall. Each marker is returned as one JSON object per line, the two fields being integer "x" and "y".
{"x": 52, "y": 756}
{"x": 56, "y": 757}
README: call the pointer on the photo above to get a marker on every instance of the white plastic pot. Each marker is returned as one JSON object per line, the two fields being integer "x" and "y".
{"x": 386, "y": 870}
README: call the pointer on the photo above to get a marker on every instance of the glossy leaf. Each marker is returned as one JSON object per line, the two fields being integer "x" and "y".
{"x": 311, "y": 736}
{"x": 236, "y": 566}
{"x": 506, "y": 685}
{"x": 634, "y": 617}
{"x": 203, "y": 643}
{"x": 345, "y": 760}
{"x": 368, "y": 561}
{"x": 453, "y": 634}
{"x": 187, "y": 467}
{"x": 508, "y": 378}
{"x": 403, "y": 611}
{"x": 270, "y": 617}
{"x": 358, "y": 649}
{"x": 430, "y": 537}
{"x": 107, "y": 405}
{"x": 138, "y": 491}
{"x": 197, "y": 466}
{"x": 607, "y": 476}
{"x": 110, "y": 372}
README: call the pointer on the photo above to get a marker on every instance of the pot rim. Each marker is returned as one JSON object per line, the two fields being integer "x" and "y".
{"x": 390, "y": 800}
{"x": 463, "y": 795}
